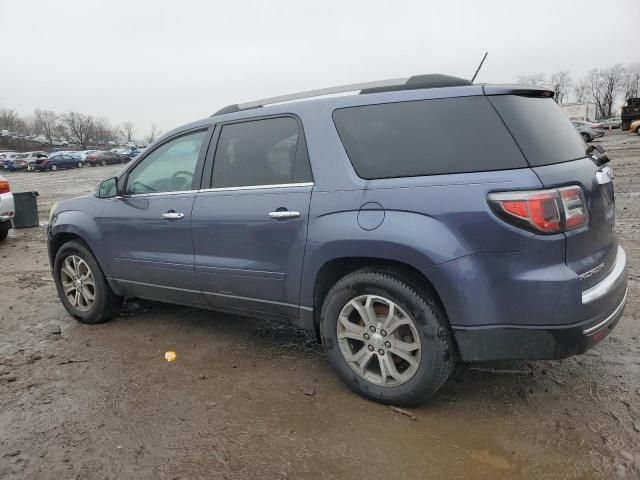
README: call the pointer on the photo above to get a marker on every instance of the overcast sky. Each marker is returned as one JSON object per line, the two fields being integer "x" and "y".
{"x": 171, "y": 62}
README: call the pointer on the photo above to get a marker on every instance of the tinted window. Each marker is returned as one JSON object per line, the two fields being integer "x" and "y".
{"x": 260, "y": 152}
{"x": 427, "y": 137}
{"x": 541, "y": 128}
{"x": 169, "y": 168}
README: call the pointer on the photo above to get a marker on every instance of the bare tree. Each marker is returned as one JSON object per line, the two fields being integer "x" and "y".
{"x": 128, "y": 130}
{"x": 45, "y": 123}
{"x": 104, "y": 131}
{"x": 10, "y": 120}
{"x": 115, "y": 134}
{"x": 581, "y": 91}
{"x": 632, "y": 82}
{"x": 153, "y": 134}
{"x": 561, "y": 85}
{"x": 537, "y": 80}
{"x": 612, "y": 81}
{"x": 80, "y": 127}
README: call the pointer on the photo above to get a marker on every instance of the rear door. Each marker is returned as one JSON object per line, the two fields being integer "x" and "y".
{"x": 558, "y": 156}
{"x": 250, "y": 224}
{"x": 147, "y": 230}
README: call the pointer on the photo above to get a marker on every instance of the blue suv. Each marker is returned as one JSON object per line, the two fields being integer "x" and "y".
{"x": 411, "y": 224}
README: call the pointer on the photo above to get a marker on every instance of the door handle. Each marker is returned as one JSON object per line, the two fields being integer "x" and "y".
{"x": 283, "y": 214}
{"x": 172, "y": 216}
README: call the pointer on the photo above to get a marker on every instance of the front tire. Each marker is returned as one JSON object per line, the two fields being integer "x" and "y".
{"x": 586, "y": 137}
{"x": 80, "y": 164}
{"x": 81, "y": 285}
{"x": 103, "y": 163}
{"x": 386, "y": 338}
{"x": 54, "y": 168}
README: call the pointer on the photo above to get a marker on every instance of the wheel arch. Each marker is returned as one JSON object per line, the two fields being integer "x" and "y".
{"x": 75, "y": 225}
{"x": 335, "y": 269}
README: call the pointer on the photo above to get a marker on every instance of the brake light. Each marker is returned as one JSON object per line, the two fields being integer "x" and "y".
{"x": 546, "y": 211}
{"x": 4, "y": 186}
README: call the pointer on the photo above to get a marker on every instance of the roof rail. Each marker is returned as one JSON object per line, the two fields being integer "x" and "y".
{"x": 435, "y": 80}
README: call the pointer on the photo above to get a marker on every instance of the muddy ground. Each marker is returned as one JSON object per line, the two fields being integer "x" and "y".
{"x": 250, "y": 399}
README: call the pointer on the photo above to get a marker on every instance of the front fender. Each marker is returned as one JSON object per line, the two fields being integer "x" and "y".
{"x": 83, "y": 225}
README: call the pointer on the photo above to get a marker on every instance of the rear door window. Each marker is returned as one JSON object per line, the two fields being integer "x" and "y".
{"x": 260, "y": 152}
{"x": 543, "y": 132}
{"x": 426, "y": 137}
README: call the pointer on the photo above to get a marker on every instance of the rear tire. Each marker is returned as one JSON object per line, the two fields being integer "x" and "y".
{"x": 54, "y": 168}
{"x": 103, "y": 163}
{"x": 638, "y": 130}
{"x": 81, "y": 285}
{"x": 374, "y": 362}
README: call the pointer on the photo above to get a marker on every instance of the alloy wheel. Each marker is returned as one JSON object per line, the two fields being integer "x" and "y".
{"x": 379, "y": 340}
{"x": 78, "y": 283}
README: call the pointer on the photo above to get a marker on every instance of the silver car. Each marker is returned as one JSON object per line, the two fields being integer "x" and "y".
{"x": 613, "y": 122}
{"x": 588, "y": 130}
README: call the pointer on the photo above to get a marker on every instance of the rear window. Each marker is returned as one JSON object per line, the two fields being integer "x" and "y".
{"x": 426, "y": 137}
{"x": 544, "y": 133}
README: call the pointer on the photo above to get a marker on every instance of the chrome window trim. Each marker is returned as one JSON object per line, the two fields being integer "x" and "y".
{"x": 156, "y": 194}
{"x": 609, "y": 318}
{"x": 608, "y": 283}
{"x": 256, "y": 187}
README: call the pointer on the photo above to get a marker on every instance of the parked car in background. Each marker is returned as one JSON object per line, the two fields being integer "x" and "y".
{"x": 588, "y": 131}
{"x": 16, "y": 162}
{"x": 57, "y": 161}
{"x": 84, "y": 153}
{"x": 369, "y": 220}
{"x": 614, "y": 122}
{"x": 33, "y": 156}
{"x": 5, "y": 155}
{"x": 6, "y": 207}
{"x": 103, "y": 157}
{"x": 7, "y": 159}
{"x": 635, "y": 126}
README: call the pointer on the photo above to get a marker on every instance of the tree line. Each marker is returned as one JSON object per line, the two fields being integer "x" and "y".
{"x": 74, "y": 127}
{"x": 606, "y": 88}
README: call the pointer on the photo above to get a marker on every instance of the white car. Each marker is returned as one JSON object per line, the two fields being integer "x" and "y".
{"x": 84, "y": 153}
{"x": 6, "y": 208}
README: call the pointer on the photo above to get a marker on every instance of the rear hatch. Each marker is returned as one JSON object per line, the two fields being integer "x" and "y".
{"x": 557, "y": 155}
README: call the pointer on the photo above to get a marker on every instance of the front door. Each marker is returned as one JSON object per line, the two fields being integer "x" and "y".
{"x": 249, "y": 228}
{"x": 147, "y": 230}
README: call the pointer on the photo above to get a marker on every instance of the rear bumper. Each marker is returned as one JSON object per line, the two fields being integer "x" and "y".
{"x": 534, "y": 343}
{"x": 605, "y": 300}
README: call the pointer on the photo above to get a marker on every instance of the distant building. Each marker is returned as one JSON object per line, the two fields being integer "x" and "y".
{"x": 580, "y": 111}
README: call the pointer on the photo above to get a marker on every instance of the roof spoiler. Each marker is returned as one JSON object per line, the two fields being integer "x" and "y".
{"x": 522, "y": 90}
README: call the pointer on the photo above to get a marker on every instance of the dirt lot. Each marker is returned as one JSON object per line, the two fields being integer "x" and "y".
{"x": 250, "y": 399}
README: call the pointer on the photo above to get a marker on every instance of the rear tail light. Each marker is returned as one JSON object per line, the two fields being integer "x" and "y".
{"x": 4, "y": 186}
{"x": 546, "y": 211}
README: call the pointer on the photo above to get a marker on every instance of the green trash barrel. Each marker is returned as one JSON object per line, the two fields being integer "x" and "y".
{"x": 26, "y": 208}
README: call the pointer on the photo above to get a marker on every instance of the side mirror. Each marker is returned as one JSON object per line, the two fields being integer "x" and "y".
{"x": 108, "y": 188}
